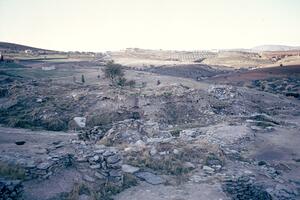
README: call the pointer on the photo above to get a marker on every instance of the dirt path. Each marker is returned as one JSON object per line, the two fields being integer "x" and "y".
{"x": 34, "y": 140}
{"x": 60, "y": 183}
{"x": 188, "y": 191}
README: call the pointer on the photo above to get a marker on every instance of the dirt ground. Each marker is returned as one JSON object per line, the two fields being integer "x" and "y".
{"x": 189, "y": 191}
{"x": 204, "y": 131}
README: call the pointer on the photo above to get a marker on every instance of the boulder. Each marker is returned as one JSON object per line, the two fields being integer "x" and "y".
{"x": 129, "y": 168}
{"x": 150, "y": 178}
{"x": 208, "y": 169}
{"x": 113, "y": 159}
{"x": 80, "y": 121}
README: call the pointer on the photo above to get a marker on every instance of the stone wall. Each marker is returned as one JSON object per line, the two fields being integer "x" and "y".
{"x": 49, "y": 167}
{"x": 104, "y": 163}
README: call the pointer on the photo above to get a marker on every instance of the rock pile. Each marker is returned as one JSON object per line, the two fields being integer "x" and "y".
{"x": 93, "y": 134}
{"x": 244, "y": 188}
{"x": 223, "y": 92}
{"x": 46, "y": 168}
{"x": 130, "y": 131}
{"x": 10, "y": 189}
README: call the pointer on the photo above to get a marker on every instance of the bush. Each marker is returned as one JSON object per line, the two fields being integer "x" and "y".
{"x": 136, "y": 115}
{"x": 175, "y": 132}
{"x": 113, "y": 71}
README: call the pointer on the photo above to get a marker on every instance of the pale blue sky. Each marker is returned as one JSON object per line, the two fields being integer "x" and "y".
{"x": 98, "y": 25}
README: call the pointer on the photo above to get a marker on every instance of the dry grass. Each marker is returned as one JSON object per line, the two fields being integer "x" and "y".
{"x": 79, "y": 189}
{"x": 174, "y": 164}
{"x": 129, "y": 180}
{"x": 168, "y": 164}
{"x": 11, "y": 171}
{"x": 107, "y": 141}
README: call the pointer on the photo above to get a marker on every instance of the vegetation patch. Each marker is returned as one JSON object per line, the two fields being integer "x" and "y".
{"x": 11, "y": 171}
{"x": 168, "y": 162}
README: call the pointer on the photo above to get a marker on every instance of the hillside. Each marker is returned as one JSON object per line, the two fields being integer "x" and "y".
{"x": 12, "y": 47}
{"x": 275, "y": 48}
{"x": 215, "y": 131}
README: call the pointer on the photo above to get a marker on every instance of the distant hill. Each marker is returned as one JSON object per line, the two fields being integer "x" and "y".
{"x": 10, "y": 47}
{"x": 275, "y": 48}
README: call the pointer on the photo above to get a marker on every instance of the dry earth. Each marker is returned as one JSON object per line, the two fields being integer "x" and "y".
{"x": 185, "y": 131}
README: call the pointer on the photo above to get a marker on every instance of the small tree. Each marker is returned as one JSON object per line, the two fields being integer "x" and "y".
{"x": 82, "y": 78}
{"x": 131, "y": 83}
{"x": 114, "y": 72}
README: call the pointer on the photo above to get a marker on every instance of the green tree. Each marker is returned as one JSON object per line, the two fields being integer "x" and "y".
{"x": 114, "y": 72}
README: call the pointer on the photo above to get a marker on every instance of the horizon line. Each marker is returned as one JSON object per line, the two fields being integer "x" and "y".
{"x": 156, "y": 49}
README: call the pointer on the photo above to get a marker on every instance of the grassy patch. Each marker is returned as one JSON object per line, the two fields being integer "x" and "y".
{"x": 129, "y": 180}
{"x": 11, "y": 65}
{"x": 175, "y": 164}
{"x": 37, "y": 73}
{"x": 104, "y": 120}
{"x": 168, "y": 164}
{"x": 80, "y": 189}
{"x": 106, "y": 141}
{"x": 11, "y": 171}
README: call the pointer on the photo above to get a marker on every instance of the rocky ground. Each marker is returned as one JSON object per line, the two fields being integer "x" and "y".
{"x": 171, "y": 136}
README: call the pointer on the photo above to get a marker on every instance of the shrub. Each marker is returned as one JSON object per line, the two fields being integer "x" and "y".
{"x": 175, "y": 132}
{"x": 113, "y": 71}
{"x": 136, "y": 115}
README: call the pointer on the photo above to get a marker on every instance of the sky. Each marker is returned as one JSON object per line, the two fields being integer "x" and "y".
{"x": 101, "y": 25}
